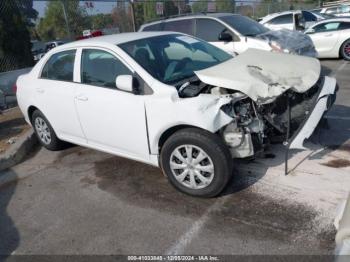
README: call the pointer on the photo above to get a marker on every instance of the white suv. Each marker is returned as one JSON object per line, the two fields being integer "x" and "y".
{"x": 235, "y": 33}
{"x": 173, "y": 101}
{"x": 292, "y": 20}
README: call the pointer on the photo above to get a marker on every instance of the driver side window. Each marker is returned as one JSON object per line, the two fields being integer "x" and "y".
{"x": 208, "y": 29}
{"x": 101, "y": 68}
{"x": 325, "y": 27}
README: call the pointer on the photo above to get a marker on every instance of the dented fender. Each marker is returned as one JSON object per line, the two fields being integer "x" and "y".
{"x": 202, "y": 111}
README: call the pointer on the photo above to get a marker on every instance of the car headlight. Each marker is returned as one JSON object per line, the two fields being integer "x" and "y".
{"x": 277, "y": 48}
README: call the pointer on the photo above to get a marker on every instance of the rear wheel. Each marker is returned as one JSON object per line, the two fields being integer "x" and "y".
{"x": 345, "y": 50}
{"x": 45, "y": 133}
{"x": 196, "y": 162}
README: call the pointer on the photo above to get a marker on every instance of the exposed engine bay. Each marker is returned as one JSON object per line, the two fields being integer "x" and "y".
{"x": 256, "y": 125}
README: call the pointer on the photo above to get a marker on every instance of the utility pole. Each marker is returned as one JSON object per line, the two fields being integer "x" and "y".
{"x": 64, "y": 7}
{"x": 133, "y": 15}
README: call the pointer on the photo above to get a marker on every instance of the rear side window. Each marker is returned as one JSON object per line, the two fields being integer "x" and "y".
{"x": 155, "y": 27}
{"x": 182, "y": 26}
{"x": 282, "y": 19}
{"x": 208, "y": 29}
{"x": 309, "y": 17}
{"x": 344, "y": 26}
{"x": 101, "y": 68}
{"x": 60, "y": 66}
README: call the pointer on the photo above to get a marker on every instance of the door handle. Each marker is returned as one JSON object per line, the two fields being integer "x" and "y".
{"x": 81, "y": 98}
{"x": 40, "y": 90}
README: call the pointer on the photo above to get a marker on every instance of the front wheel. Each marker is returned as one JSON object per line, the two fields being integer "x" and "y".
{"x": 345, "y": 50}
{"x": 196, "y": 162}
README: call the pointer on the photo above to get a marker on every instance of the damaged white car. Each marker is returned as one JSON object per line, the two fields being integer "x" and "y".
{"x": 173, "y": 101}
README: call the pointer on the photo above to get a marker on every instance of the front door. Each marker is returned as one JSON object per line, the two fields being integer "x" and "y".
{"x": 112, "y": 120}
{"x": 325, "y": 36}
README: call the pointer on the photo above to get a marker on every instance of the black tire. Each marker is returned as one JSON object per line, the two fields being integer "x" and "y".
{"x": 54, "y": 143}
{"x": 213, "y": 146}
{"x": 343, "y": 52}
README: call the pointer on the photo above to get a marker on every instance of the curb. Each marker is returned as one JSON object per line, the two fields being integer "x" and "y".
{"x": 16, "y": 153}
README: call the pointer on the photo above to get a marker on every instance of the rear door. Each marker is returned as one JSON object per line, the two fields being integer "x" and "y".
{"x": 55, "y": 92}
{"x": 185, "y": 26}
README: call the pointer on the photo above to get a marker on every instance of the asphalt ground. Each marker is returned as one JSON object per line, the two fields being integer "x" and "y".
{"x": 81, "y": 201}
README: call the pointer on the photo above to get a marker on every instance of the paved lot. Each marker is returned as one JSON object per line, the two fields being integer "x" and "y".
{"x": 81, "y": 201}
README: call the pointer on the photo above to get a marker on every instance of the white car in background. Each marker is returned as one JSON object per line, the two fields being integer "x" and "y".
{"x": 292, "y": 20}
{"x": 173, "y": 101}
{"x": 235, "y": 33}
{"x": 340, "y": 10}
{"x": 331, "y": 38}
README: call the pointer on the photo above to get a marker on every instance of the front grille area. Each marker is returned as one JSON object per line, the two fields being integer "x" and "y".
{"x": 301, "y": 105}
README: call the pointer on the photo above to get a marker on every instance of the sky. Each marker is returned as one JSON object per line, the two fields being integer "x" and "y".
{"x": 99, "y": 6}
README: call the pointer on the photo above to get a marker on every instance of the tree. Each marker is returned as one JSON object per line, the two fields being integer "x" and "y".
{"x": 200, "y": 6}
{"x": 53, "y": 25}
{"x": 225, "y": 6}
{"x": 28, "y": 13}
{"x": 170, "y": 8}
{"x": 138, "y": 12}
{"x": 122, "y": 19}
{"x": 149, "y": 10}
{"x": 101, "y": 21}
{"x": 15, "y": 45}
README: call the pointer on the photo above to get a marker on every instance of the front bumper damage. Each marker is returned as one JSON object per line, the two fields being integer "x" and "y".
{"x": 324, "y": 101}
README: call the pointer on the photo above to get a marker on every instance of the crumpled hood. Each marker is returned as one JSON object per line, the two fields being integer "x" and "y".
{"x": 294, "y": 41}
{"x": 263, "y": 75}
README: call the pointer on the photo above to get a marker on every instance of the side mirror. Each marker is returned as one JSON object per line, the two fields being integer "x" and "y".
{"x": 224, "y": 36}
{"x": 310, "y": 31}
{"x": 125, "y": 83}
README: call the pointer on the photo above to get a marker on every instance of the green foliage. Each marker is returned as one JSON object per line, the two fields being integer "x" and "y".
{"x": 122, "y": 19}
{"x": 15, "y": 46}
{"x": 53, "y": 25}
{"x": 225, "y": 6}
{"x": 101, "y": 21}
{"x": 149, "y": 10}
{"x": 200, "y": 6}
{"x": 139, "y": 19}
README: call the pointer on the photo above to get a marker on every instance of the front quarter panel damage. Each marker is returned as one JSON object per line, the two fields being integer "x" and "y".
{"x": 202, "y": 111}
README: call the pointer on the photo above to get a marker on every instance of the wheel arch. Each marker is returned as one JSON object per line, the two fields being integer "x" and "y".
{"x": 170, "y": 131}
{"x": 341, "y": 47}
{"x": 30, "y": 112}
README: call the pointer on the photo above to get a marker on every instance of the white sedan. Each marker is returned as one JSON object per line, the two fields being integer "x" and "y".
{"x": 331, "y": 38}
{"x": 173, "y": 101}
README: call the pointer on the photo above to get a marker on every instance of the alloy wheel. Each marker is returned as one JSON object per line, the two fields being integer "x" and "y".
{"x": 43, "y": 131}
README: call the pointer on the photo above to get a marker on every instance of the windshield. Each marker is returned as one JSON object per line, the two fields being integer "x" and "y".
{"x": 244, "y": 25}
{"x": 173, "y": 58}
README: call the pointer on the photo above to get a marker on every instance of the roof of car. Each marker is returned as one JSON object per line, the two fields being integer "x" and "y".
{"x": 336, "y": 19}
{"x": 181, "y": 17}
{"x": 111, "y": 39}
{"x": 270, "y": 16}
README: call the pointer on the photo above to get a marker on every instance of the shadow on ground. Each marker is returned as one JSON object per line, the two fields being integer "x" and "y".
{"x": 9, "y": 235}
